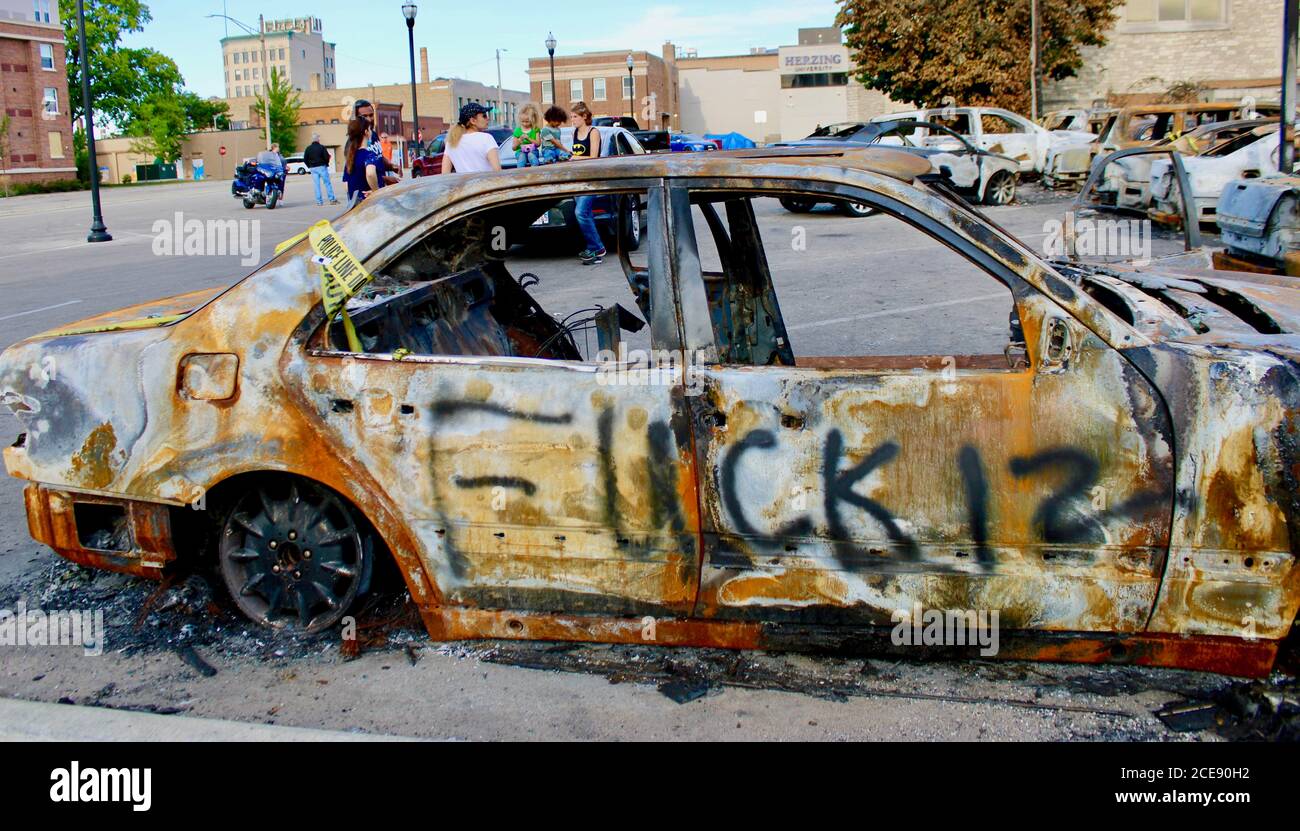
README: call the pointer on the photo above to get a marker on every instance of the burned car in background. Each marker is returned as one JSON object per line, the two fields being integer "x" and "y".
{"x": 1127, "y": 184}
{"x": 1250, "y": 155}
{"x": 1143, "y": 126}
{"x": 976, "y": 174}
{"x": 1116, "y": 475}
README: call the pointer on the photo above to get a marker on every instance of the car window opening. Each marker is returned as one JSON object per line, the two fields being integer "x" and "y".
{"x": 453, "y": 293}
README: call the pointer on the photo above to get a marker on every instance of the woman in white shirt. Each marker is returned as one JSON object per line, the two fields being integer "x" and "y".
{"x": 470, "y": 147}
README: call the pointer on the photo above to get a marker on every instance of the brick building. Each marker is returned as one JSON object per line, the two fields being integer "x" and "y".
{"x": 1231, "y": 48}
{"x": 601, "y": 80}
{"x": 34, "y": 93}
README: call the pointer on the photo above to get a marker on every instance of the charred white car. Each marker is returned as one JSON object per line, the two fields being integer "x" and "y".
{"x": 1249, "y": 156}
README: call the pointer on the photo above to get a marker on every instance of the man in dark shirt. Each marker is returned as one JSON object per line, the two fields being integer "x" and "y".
{"x": 317, "y": 159}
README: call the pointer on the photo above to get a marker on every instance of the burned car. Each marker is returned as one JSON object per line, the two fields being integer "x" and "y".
{"x": 1115, "y": 473}
{"x": 975, "y": 173}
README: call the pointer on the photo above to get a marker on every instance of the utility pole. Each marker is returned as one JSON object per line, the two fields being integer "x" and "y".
{"x": 1286, "y": 150}
{"x": 266, "y": 79}
{"x": 1034, "y": 59}
{"x": 500, "y": 101}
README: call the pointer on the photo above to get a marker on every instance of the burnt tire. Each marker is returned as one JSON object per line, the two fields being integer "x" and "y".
{"x": 294, "y": 555}
{"x": 797, "y": 206}
{"x": 1001, "y": 189}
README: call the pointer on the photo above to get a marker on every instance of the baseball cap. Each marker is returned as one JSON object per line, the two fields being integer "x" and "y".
{"x": 470, "y": 110}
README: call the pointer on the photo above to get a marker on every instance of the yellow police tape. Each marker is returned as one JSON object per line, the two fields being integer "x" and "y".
{"x": 342, "y": 275}
{"x": 139, "y": 323}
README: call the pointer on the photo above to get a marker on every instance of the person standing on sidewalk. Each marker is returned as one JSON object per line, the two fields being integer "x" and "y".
{"x": 317, "y": 159}
{"x": 586, "y": 145}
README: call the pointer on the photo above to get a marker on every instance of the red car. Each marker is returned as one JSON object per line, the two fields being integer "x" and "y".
{"x": 430, "y": 164}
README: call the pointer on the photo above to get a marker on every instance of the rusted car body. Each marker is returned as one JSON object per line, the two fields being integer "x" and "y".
{"x": 1122, "y": 489}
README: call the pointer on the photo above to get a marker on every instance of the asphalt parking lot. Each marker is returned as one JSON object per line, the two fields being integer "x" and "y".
{"x": 845, "y": 284}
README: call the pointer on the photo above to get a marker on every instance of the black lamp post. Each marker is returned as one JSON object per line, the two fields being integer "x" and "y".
{"x": 550, "y": 50}
{"x": 98, "y": 232}
{"x": 409, "y": 10}
{"x": 631, "y": 88}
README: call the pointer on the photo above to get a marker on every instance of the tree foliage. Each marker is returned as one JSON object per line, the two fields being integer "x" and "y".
{"x": 971, "y": 52}
{"x": 159, "y": 127}
{"x": 285, "y": 104}
{"x": 202, "y": 113}
{"x": 121, "y": 78}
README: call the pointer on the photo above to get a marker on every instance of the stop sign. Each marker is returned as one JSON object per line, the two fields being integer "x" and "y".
{"x": 222, "y": 151}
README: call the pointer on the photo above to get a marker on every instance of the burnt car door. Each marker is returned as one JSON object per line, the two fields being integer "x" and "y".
{"x": 1031, "y": 475}
{"x": 536, "y": 474}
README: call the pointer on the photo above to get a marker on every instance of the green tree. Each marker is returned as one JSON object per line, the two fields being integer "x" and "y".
{"x": 204, "y": 113}
{"x": 120, "y": 78}
{"x": 158, "y": 127}
{"x": 285, "y": 103}
{"x": 975, "y": 52}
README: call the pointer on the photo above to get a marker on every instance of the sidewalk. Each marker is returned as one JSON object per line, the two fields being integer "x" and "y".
{"x": 33, "y": 721}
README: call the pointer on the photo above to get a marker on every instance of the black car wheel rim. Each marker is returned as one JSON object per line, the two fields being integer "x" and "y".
{"x": 292, "y": 556}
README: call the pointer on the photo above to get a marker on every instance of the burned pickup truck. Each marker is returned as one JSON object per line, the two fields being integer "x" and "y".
{"x": 1114, "y": 474}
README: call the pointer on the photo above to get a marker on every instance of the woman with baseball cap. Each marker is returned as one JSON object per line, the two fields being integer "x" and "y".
{"x": 470, "y": 147}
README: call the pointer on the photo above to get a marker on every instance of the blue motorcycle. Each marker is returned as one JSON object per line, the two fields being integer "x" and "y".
{"x": 260, "y": 182}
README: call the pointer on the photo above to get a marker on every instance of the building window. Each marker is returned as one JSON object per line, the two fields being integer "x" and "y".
{"x": 1174, "y": 14}
{"x": 282, "y": 53}
{"x": 597, "y": 89}
{"x": 575, "y": 89}
{"x": 51, "y": 101}
{"x": 41, "y": 11}
{"x": 56, "y": 145}
{"x": 47, "y": 57}
{"x": 548, "y": 93}
{"x": 628, "y": 85}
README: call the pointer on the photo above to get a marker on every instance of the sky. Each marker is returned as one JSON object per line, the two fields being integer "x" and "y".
{"x": 462, "y": 36}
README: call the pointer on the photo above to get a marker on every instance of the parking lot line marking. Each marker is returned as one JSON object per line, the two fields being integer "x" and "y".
{"x": 41, "y": 309}
{"x": 898, "y": 311}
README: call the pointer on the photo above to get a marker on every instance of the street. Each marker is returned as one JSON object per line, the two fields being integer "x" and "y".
{"x": 173, "y": 652}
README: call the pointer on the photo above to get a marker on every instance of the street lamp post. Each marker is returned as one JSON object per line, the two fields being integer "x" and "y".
{"x": 550, "y": 50}
{"x": 408, "y": 11}
{"x": 266, "y": 94}
{"x": 98, "y": 232}
{"x": 631, "y": 88}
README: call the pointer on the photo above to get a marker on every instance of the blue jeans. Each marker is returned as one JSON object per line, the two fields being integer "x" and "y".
{"x": 318, "y": 175}
{"x": 587, "y": 224}
{"x": 526, "y": 158}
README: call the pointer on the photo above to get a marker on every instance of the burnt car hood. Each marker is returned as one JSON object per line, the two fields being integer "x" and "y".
{"x": 141, "y": 315}
{"x": 1183, "y": 298}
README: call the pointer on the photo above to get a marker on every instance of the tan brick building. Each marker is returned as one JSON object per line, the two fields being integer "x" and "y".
{"x": 296, "y": 49}
{"x": 34, "y": 93}
{"x": 1232, "y": 48}
{"x": 777, "y": 94}
{"x": 601, "y": 80}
